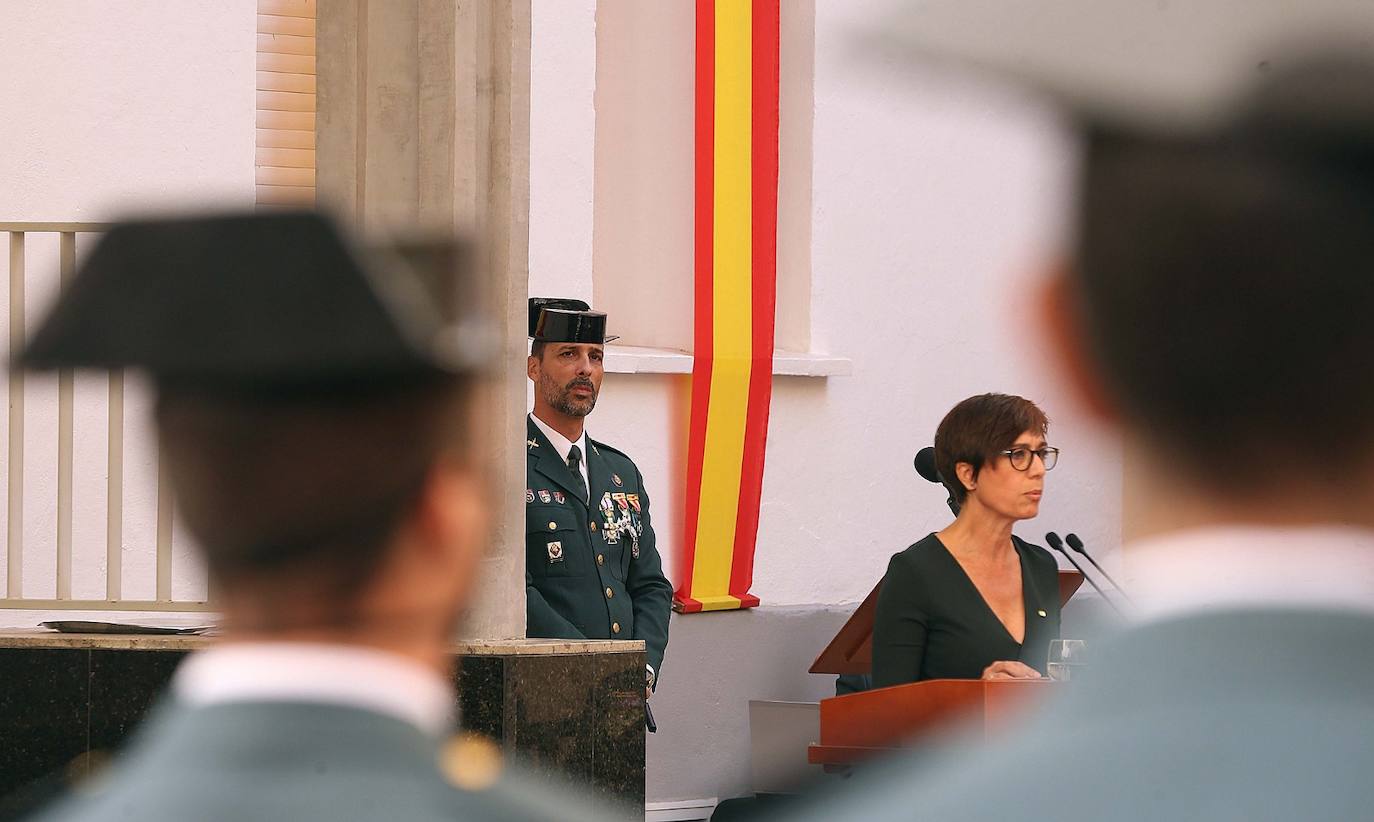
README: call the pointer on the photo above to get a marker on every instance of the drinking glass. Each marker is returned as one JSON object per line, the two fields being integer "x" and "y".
{"x": 1067, "y": 659}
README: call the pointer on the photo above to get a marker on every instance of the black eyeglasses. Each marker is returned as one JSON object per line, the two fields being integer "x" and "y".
{"x": 1021, "y": 457}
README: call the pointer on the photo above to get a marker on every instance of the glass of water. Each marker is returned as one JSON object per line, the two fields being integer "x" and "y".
{"x": 1067, "y": 659}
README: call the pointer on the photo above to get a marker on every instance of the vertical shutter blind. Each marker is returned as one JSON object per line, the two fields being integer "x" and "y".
{"x": 285, "y": 164}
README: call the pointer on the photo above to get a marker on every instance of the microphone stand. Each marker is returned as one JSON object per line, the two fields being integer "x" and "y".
{"x": 1077, "y": 544}
{"x": 1058, "y": 544}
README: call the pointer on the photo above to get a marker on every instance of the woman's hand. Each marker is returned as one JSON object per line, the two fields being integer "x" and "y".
{"x": 1010, "y": 669}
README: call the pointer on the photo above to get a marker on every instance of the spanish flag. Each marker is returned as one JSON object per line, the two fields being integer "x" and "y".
{"x": 736, "y": 276}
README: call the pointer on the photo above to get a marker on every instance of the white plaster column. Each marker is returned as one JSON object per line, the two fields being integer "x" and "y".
{"x": 423, "y": 126}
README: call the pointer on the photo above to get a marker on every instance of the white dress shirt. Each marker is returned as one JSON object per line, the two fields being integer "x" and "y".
{"x": 563, "y": 445}
{"x": 333, "y": 674}
{"x": 1206, "y": 569}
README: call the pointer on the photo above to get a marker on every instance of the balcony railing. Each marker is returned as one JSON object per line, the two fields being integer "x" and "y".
{"x": 69, "y": 508}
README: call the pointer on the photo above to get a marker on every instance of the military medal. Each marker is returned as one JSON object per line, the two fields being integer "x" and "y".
{"x": 556, "y": 551}
{"x": 609, "y": 527}
{"x": 558, "y": 496}
{"x": 633, "y": 500}
{"x": 544, "y": 496}
{"x": 621, "y": 502}
{"x": 529, "y": 496}
{"x": 615, "y": 478}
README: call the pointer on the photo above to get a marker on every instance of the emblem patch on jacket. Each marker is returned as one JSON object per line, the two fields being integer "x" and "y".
{"x": 556, "y": 551}
{"x": 529, "y": 495}
{"x": 544, "y": 496}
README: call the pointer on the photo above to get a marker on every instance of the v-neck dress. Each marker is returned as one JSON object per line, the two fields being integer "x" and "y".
{"x": 932, "y": 623}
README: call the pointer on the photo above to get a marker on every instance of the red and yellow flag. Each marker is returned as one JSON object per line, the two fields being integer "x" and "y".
{"x": 736, "y": 277}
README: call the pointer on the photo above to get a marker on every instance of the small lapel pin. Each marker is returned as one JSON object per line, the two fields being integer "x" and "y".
{"x": 1041, "y": 613}
{"x": 532, "y": 443}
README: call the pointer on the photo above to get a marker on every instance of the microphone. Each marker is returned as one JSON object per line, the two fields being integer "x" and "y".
{"x": 1058, "y": 544}
{"x": 1077, "y": 544}
{"x": 925, "y": 466}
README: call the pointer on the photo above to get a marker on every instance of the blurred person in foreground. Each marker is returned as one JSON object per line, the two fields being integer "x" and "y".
{"x": 316, "y": 412}
{"x": 974, "y": 601}
{"x": 1217, "y": 312}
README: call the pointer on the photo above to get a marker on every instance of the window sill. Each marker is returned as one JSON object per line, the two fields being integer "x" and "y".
{"x": 631, "y": 359}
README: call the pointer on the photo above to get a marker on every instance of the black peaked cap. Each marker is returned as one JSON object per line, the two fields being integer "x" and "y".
{"x": 538, "y": 304}
{"x": 244, "y": 300}
{"x": 555, "y": 319}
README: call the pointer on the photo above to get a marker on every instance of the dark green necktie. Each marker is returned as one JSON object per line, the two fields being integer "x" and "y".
{"x": 575, "y": 466}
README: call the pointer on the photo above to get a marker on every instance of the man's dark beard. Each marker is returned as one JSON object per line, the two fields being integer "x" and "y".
{"x": 560, "y": 397}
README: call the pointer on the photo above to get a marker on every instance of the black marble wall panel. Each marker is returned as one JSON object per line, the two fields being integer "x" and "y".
{"x": 574, "y": 717}
{"x": 618, "y": 745}
{"x": 578, "y": 718}
{"x": 124, "y": 685}
{"x": 44, "y": 710}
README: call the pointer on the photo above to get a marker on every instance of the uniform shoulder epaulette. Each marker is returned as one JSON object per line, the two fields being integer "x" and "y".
{"x": 604, "y": 447}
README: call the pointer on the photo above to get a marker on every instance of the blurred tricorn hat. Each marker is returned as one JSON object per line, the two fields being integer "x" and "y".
{"x": 263, "y": 302}
{"x": 1166, "y": 67}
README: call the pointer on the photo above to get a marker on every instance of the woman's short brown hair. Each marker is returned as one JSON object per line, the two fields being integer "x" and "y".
{"x": 975, "y": 430}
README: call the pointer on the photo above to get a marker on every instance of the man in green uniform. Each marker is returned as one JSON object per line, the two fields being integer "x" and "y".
{"x": 592, "y": 570}
{"x": 313, "y": 409}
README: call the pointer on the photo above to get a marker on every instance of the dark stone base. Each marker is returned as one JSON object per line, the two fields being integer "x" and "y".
{"x": 578, "y": 716}
{"x": 62, "y": 710}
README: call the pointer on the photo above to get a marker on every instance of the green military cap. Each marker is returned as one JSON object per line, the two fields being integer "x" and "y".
{"x": 1173, "y": 68}
{"x": 263, "y": 303}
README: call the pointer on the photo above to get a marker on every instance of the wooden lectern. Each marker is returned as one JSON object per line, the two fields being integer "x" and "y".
{"x": 855, "y": 726}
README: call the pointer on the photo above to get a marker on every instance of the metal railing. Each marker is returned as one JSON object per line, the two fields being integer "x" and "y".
{"x": 13, "y": 595}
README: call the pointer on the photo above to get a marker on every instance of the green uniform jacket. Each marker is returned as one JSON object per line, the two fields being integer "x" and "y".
{"x": 592, "y": 570}
{"x": 301, "y": 762}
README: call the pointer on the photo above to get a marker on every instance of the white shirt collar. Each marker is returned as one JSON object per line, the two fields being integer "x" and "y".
{"x": 1207, "y": 569}
{"x": 563, "y": 445}
{"x": 334, "y": 674}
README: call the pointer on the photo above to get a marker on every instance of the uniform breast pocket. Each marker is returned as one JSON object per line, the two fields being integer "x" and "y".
{"x": 554, "y": 545}
{"x": 614, "y": 556}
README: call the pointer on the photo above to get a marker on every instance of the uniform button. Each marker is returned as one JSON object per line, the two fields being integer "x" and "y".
{"x": 615, "y": 627}
{"x": 553, "y": 526}
{"x": 609, "y": 593}
{"x": 600, "y": 559}
{"x": 593, "y": 526}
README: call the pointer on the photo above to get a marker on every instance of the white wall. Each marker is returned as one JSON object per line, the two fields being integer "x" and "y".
{"x": 562, "y": 132}
{"x": 111, "y": 107}
{"x": 935, "y": 204}
{"x": 935, "y": 207}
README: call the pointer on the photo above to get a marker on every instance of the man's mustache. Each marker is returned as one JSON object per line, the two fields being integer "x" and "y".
{"x": 580, "y": 382}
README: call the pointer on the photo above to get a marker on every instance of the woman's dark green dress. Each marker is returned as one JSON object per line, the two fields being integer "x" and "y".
{"x": 933, "y": 624}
